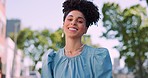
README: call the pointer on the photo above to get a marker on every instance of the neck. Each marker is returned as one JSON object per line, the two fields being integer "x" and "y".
{"x": 73, "y": 44}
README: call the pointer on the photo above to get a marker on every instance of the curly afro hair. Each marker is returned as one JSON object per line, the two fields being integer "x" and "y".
{"x": 89, "y": 10}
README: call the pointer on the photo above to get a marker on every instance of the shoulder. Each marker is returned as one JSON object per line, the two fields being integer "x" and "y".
{"x": 96, "y": 51}
{"x": 102, "y": 54}
{"x": 103, "y": 51}
{"x": 100, "y": 62}
{"x": 48, "y": 56}
{"x": 52, "y": 53}
{"x": 97, "y": 54}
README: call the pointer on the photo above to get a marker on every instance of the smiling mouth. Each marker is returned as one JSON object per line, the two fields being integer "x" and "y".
{"x": 73, "y": 29}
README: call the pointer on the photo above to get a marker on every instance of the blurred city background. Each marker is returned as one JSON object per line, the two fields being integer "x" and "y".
{"x": 29, "y": 28}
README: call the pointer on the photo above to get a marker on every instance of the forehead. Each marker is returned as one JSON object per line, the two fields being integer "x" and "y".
{"x": 75, "y": 13}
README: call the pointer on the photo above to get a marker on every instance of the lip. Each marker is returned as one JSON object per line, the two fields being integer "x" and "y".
{"x": 72, "y": 28}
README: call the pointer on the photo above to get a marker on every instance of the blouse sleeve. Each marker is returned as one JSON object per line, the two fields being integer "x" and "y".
{"x": 47, "y": 65}
{"x": 102, "y": 66}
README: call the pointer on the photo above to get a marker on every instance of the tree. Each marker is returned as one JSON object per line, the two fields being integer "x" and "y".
{"x": 57, "y": 40}
{"x": 34, "y": 44}
{"x": 130, "y": 27}
{"x": 86, "y": 39}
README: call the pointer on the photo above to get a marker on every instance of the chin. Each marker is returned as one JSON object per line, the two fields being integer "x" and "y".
{"x": 74, "y": 36}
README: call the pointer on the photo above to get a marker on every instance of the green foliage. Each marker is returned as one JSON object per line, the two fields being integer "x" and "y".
{"x": 130, "y": 27}
{"x": 86, "y": 39}
{"x": 35, "y": 43}
{"x": 57, "y": 40}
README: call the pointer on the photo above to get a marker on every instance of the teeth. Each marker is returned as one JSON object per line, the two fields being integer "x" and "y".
{"x": 72, "y": 29}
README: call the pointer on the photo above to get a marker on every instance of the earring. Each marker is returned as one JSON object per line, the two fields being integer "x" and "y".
{"x": 62, "y": 35}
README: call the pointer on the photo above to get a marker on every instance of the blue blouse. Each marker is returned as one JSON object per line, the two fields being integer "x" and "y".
{"x": 91, "y": 63}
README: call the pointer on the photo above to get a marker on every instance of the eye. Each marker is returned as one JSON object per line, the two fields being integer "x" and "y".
{"x": 80, "y": 21}
{"x": 70, "y": 19}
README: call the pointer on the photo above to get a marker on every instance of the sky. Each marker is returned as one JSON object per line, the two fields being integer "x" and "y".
{"x": 47, "y": 14}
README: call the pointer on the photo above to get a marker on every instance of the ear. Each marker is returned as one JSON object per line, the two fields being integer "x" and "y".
{"x": 63, "y": 25}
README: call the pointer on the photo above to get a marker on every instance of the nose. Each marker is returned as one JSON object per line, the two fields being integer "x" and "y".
{"x": 73, "y": 22}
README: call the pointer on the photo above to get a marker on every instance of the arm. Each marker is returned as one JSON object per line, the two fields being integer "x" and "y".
{"x": 102, "y": 67}
{"x": 47, "y": 65}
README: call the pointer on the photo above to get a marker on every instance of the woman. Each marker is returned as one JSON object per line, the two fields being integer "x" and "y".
{"x": 77, "y": 60}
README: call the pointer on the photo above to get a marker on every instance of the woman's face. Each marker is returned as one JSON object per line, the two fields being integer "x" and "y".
{"x": 75, "y": 24}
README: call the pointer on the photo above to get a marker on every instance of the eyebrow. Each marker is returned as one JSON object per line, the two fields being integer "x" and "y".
{"x": 78, "y": 17}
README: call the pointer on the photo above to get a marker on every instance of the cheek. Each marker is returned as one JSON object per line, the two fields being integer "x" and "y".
{"x": 65, "y": 23}
{"x": 83, "y": 29}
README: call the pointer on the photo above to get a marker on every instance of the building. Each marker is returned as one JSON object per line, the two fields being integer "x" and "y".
{"x": 14, "y": 56}
{"x": 2, "y": 36}
{"x": 13, "y": 26}
{"x": 14, "y": 60}
{"x": 11, "y": 59}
